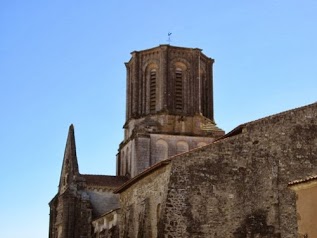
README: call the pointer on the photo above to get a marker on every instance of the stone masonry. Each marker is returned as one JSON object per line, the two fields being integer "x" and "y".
{"x": 169, "y": 95}
{"x": 178, "y": 175}
{"x": 235, "y": 187}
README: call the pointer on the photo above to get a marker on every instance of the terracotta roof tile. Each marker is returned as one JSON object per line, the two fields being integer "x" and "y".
{"x": 310, "y": 178}
{"x": 104, "y": 180}
{"x": 126, "y": 185}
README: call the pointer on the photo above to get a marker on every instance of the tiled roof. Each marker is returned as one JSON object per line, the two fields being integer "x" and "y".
{"x": 239, "y": 129}
{"x": 308, "y": 179}
{"x": 104, "y": 180}
{"x": 236, "y": 131}
{"x": 142, "y": 175}
{"x": 280, "y": 114}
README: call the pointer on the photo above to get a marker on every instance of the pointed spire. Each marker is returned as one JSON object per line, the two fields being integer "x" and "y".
{"x": 70, "y": 150}
{"x": 70, "y": 164}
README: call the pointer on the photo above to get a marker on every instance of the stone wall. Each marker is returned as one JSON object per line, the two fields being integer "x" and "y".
{"x": 142, "y": 204}
{"x": 164, "y": 123}
{"x": 106, "y": 226}
{"x": 174, "y": 145}
{"x": 70, "y": 216}
{"x": 237, "y": 187}
{"x": 146, "y": 150}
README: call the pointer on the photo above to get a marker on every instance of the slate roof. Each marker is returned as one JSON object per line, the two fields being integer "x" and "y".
{"x": 104, "y": 180}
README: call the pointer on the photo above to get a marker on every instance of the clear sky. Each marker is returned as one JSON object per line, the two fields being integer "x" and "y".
{"x": 62, "y": 62}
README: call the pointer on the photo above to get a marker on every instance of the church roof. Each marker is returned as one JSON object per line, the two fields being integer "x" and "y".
{"x": 132, "y": 181}
{"x": 104, "y": 180}
{"x": 169, "y": 46}
{"x": 239, "y": 129}
{"x": 304, "y": 180}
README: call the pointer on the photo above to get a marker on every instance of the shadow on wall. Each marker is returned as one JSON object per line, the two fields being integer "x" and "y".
{"x": 255, "y": 225}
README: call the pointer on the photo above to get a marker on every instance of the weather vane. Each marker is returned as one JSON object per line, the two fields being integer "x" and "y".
{"x": 169, "y": 37}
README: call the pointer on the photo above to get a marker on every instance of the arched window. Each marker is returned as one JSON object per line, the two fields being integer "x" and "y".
{"x": 152, "y": 90}
{"x": 127, "y": 158}
{"x": 178, "y": 90}
{"x": 121, "y": 159}
{"x": 161, "y": 150}
{"x": 204, "y": 100}
{"x": 181, "y": 147}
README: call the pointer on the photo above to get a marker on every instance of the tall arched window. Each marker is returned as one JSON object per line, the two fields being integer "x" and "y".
{"x": 152, "y": 91}
{"x": 161, "y": 150}
{"x": 178, "y": 90}
{"x": 181, "y": 147}
{"x": 121, "y": 160}
{"x": 204, "y": 94}
{"x": 127, "y": 160}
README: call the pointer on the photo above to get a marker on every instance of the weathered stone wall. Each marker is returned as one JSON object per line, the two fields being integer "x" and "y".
{"x": 237, "y": 187}
{"x": 164, "y": 123}
{"x": 71, "y": 216}
{"x": 142, "y": 203}
{"x": 134, "y": 156}
{"x": 145, "y": 150}
{"x": 141, "y": 156}
{"x": 107, "y": 226}
{"x": 174, "y": 145}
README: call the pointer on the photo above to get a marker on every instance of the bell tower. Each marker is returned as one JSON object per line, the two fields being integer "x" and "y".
{"x": 169, "y": 106}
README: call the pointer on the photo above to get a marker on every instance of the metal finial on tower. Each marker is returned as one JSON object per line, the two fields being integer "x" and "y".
{"x": 169, "y": 37}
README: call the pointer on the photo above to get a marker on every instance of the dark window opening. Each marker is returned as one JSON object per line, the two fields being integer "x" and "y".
{"x": 152, "y": 91}
{"x": 179, "y": 90}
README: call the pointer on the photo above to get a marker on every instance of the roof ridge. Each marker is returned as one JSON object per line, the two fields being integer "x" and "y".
{"x": 280, "y": 113}
{"x": 101, "y": 175}
{"x": 309, "y": 178}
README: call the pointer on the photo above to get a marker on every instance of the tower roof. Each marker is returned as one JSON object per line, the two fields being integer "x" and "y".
{"x": 70, "y": 165}
{"x": 168, "y": 48}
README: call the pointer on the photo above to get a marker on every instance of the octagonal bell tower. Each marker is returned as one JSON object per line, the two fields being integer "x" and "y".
{"x": 169, "y": 106}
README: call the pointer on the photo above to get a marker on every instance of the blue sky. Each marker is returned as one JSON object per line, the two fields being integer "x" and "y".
{"x": 62, "y": 62}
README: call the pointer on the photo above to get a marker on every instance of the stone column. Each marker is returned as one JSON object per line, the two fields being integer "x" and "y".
{"x": 164, "y": 77}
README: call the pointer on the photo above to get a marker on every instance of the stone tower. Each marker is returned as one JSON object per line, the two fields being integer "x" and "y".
{"x": 169, "y": 107}
{"x": 81, "y": 198}
{"x": 70, "y": 209}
